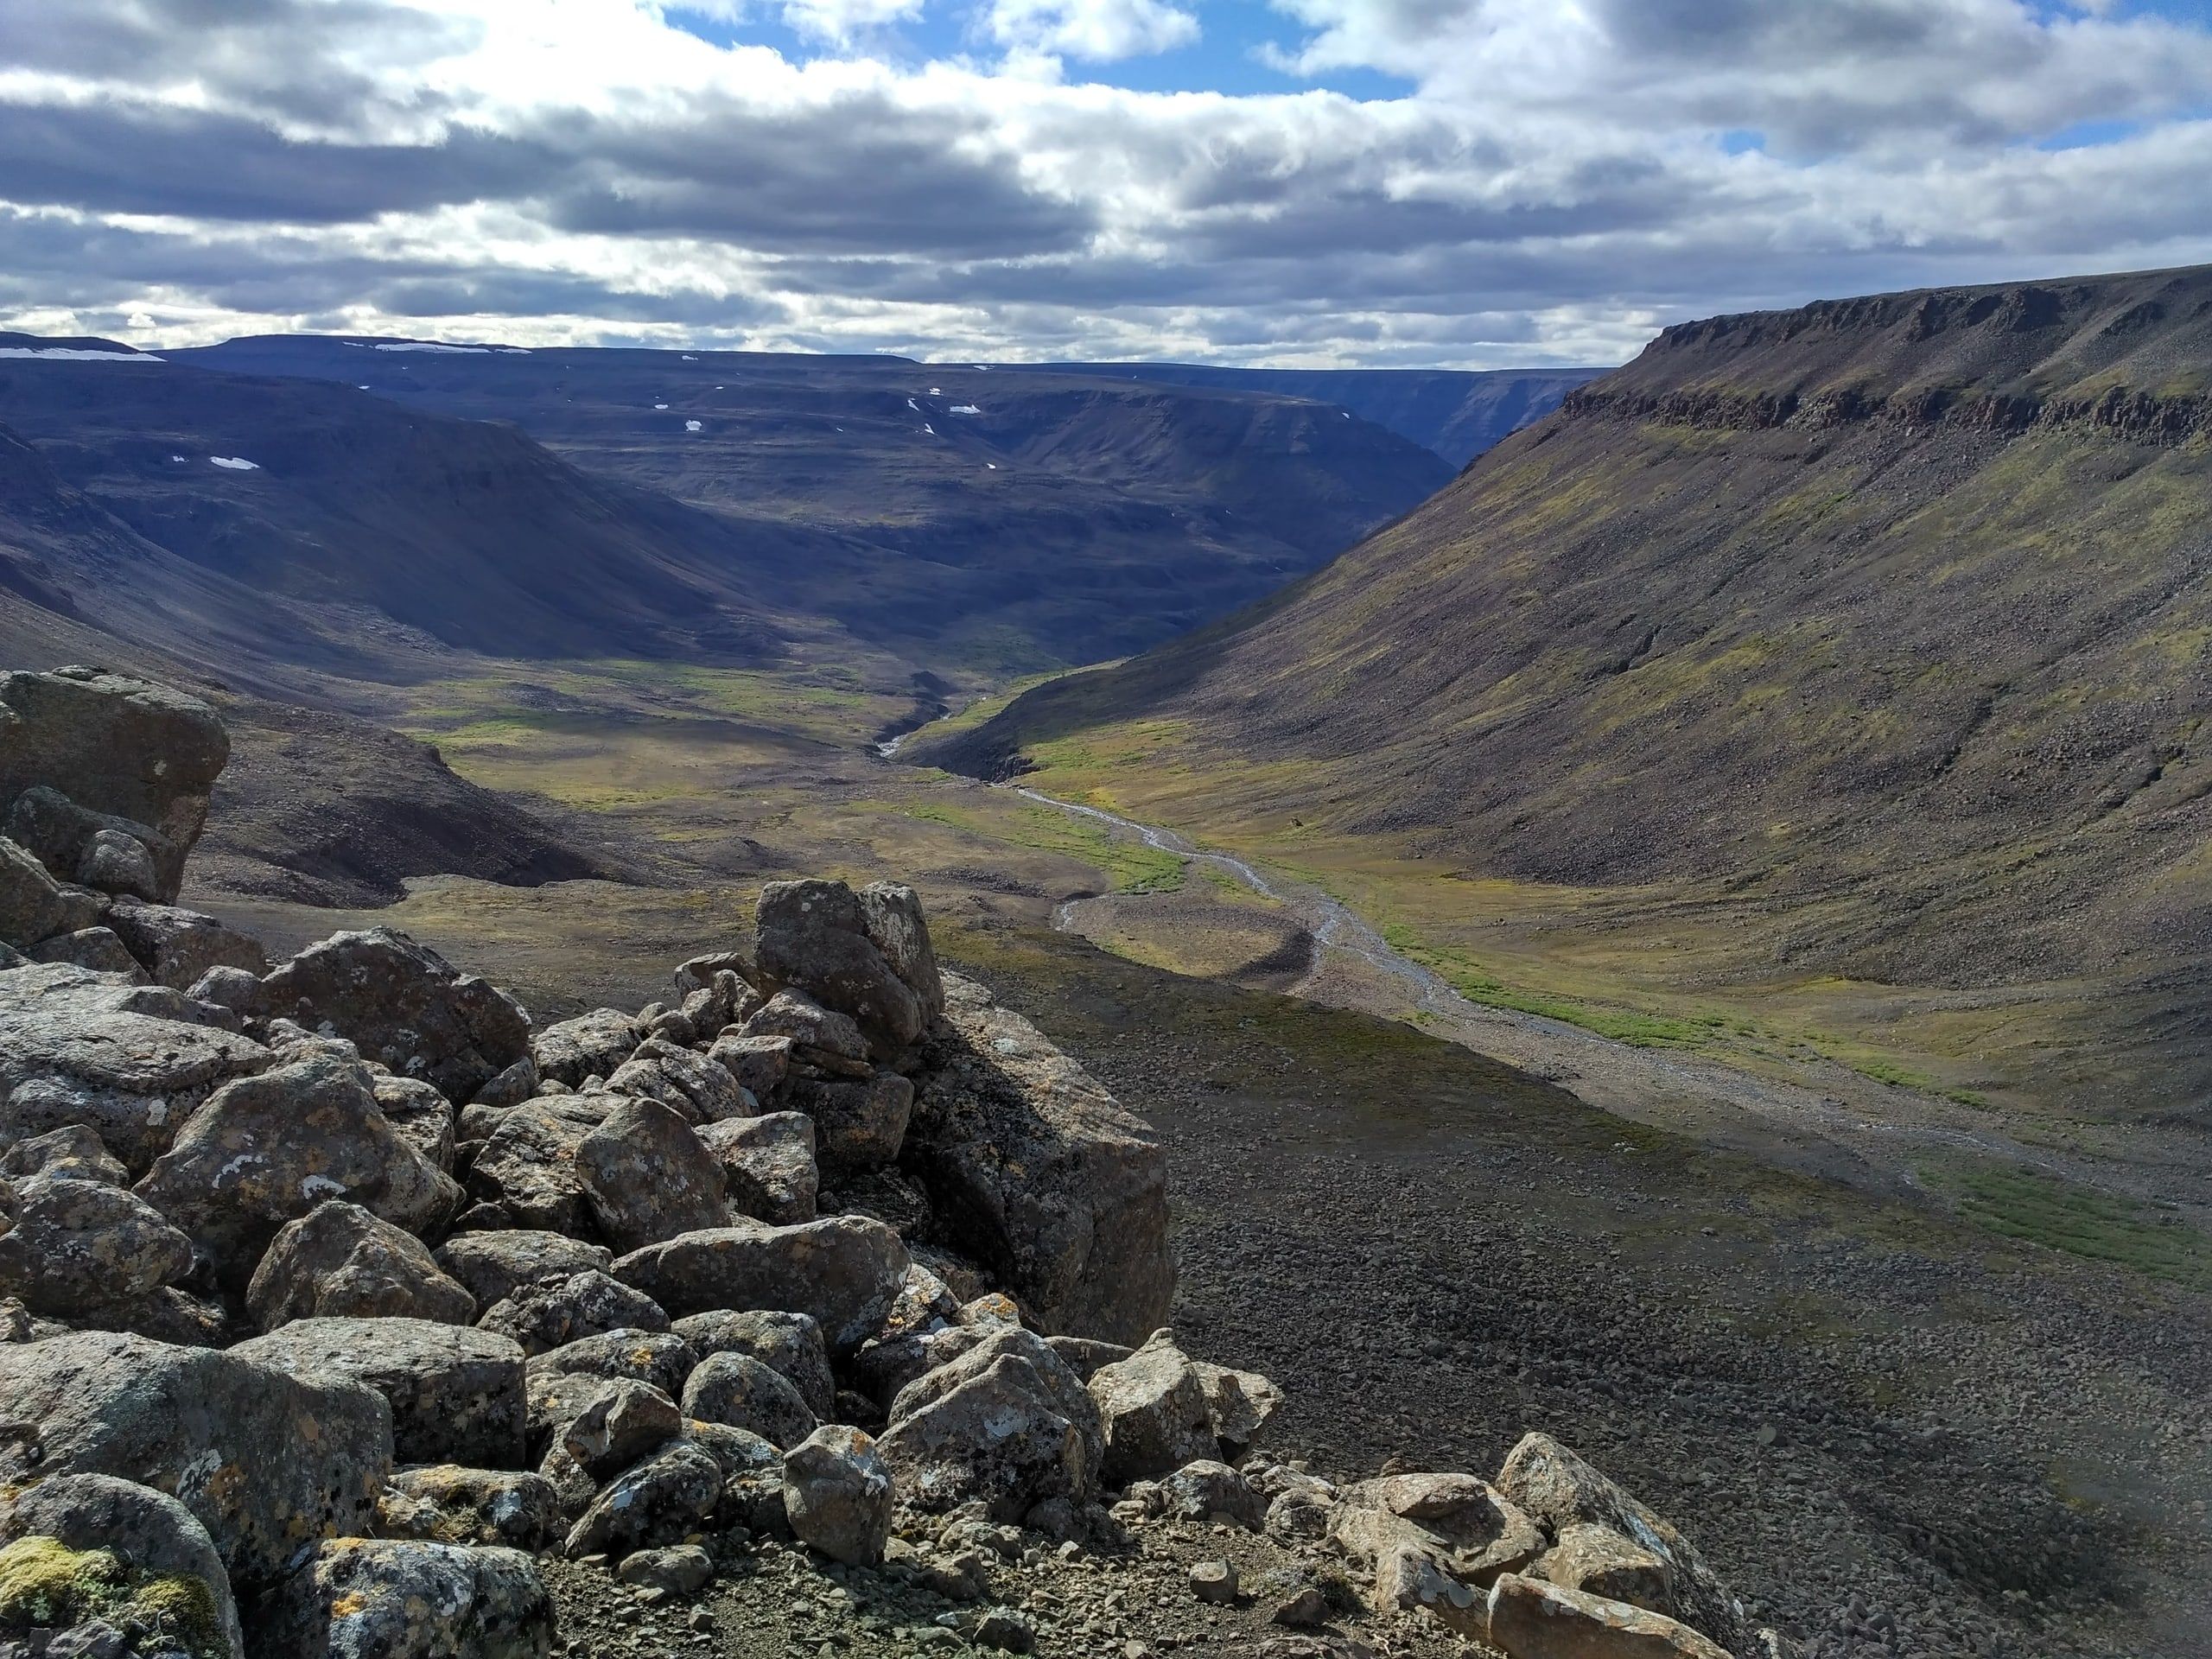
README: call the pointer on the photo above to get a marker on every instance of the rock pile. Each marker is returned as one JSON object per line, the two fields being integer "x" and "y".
{"x": 349, "y": 1312}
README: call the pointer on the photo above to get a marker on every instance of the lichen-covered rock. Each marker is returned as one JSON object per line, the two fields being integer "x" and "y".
{"x": 1038, "y": 1174}
{"x": 590, "y": 1046}
{"x": 446, "y": 1504}
{"x": 234, "y": 988}
{"x": 1209, "y": 1491}
{"x": 1006, "y": 1424}
{"x": 699, "y": 1087}
{"x": 838, "y": 1494}
{"x": 403, "y": 1005}
{"x": 399, "y": 1599}
{"x": 843, "y": 1271}
{"x": 121, "y": 866}
{"x": 76, "y": 1048}
{"x": 95, "y": 849}
{"x": 788, "y": 1343}
{"x": 33, "y": 905}
{"x": 74, "y": 1151}
{"x": 113, "y": 744}
{"x": 550, "y": 1314}
{"x": 337, "y": 1261}
{"x": 527, "y": 1166}
{"x": 896, "y": 926}
{"x": 648, "y": 1178}
{"x": 96, "y": 950}
{"x": 493, "y": 1265}
{"x": 170, "y": 1581}
{"x": 1152, "y": 1406}
{"x": 75, "y": 1243}
{"x": 758, "y": 1064}
{"x": 1600, "y": 1562}
{"x": 661, "y": 1499}
{"x": 744, "y": 1393}
{"x": 178, "y": 946}
{"x": 620, "y": 1424}
{"x": 768, "y": 1165}
{"x": 643, "y": 1356}
{"x": 1527, "y": 1618}
{"x": 266, "y": 1149}
{"x": 266, "y": 1461}
{"x": 456, "y": 1394}
{"x": 1468, "y": 1528}
{"x": 858, "y": 1124}
{"x": 1238, "y": 1402}
{"x": 422, "y": 1117}
{"x": 813, "y": 936}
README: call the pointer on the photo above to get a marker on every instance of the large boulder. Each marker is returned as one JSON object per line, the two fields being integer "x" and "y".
{"x": 550, "y": 1314}
{"x": 1527, "y": 1618}
{"x": 590, "y": 1046}
{"x": 859, "y": 1123}
{"x": 1040, "y": 1175}
{"x": 1006, "y": 1424}
{"x": 33, "y": 905}
{"x": 661, "y": 1499}
{"x": 891, "y": 913}
{"x": 742, "y": 1392}
{"x": 768, "y": 1165}
{"x": 1151, "y": 1408}
{"x": 421, "y": 1114}
{"x": 1600, "y": 1562}
{"x": 457, "y": 1394}
{"x": 843, "y": 1271}
{"x": 526, "y": 1168}
{"x": 1466, "y": 1528}
{"x": 813, "y": 936}
{"x": 128, "y": 1062}
{"x": 266, "y": 1461}
{"x": 337, "y": 1261}
{"x": 95, "y": 849}
{"x": 492, "y": 1266}
{"x": 266, "y": 1149}
{"x": 648, "y": 1178}
{"x": 658, "y": 1357}
{"x": 838, "y": 1494}
{"x": 178, "y": 946}
{"x": 114, "y": 744}
{"x": 397, "y": 1598}
{"x": 701, "y": 1089}
{"x": 620, "y": 1424}
{"x": 76, "y": 1244}
{"x": 758, "y": 1063}
{"x": 788, "y": 1343}
{"x": 403, "y": 1004}
{"x": 97, "y": 950}
{"x": 76, "y": 1152}
{"x": 446, "y": 1504}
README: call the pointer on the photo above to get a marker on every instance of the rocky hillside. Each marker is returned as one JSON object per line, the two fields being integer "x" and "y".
{"x": 347, "y": 1311}
{"x": 1880, "y": 623}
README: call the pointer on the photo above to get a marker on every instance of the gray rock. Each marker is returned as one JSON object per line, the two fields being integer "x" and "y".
{"x": 33, "y": 905}
{"x": 405, "y": 1005}
{"x": 1527, "y": 1618}
{"x": 743, "y": 1392}
{"x": 113, "y": 744}
{"x": 758, "y": 1063}
{"x": 266, "y": 1462}
{"x": 149, "y": 1534}
{"x": 1038, "y": 1174}
{"x": 813, "y": 936}
{"x": 648, "y": 1177}
{"x": 1433, "y": 1542}
{"x": 768, "y": 1165}
{"x": 456, "y": 1394}
{"x": 177, "y": 946}
{"x": 78, "y": 1242}
{"x": 857, "y": 1125}
{"x": 399, "y": 1599}
{"x": 590, "y": 1046}
{"x": 1085, "y": 1355}
{"x": 63, "y": 837}
{"x": 511, "y": 1087}
{"x": 679, "y": 1570}
{"x": 1208, "y": 1490}
{"x": 788, "y": 1343}
{"x": 1238, "y": 1402}
{"x": 445, "y": 1503}
{"x": 422, "y": 1117}
{"x": 660, "y": 1500}
{"x": 527, "y": 1166}
{"x": 1006, "y": 1629}
{"x": 550, "y": 1314}
{"x": 643, "y": 1356}
{"x": 1600, "y": 1562}
{"x": 815, "y": 1033}
{"x": 898, "y": 928}
{"x": 122, "y": 865}
{"x": 1006, "y": 1424}
{"x": 493, "y": 1265}
{"x": 1152, "y": 1406}
{"x": 844, "y": 1271}
{"x": 234, "y": 988}
{"x": 1214, "y": 1582}
{"x": 620, "y": 1424}
{"x": 340, "y": 1262}
{"x": 753, "y": 1479}
{"x": 838, "y": 1494}
{"x": 74, "y": 1151}
{"x": 699, "y": 1087}
{"x": 96, "y": 950}
{"x": 266, "y": 1149}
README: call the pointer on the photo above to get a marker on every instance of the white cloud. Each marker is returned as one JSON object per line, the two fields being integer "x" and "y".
{"x": 1098, "y": 30}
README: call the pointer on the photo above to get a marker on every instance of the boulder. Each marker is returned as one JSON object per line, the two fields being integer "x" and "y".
{"x": 590, "y": 1046}
{"x": 1527, "y": 1618}
{"x": 679, "y": 1570}
{"x": 705, "y": 972}
{"x": 445, "y": 1503}
{"x": 456, "y": 1394}
{"x": 519, "y": 1082}
{"x": 843, "y": 1271}
{"x": 527, "y": 1166}
{"x": 550, "y": 1314}
{"x": 33, "y": 905}
{"x": 337, "y": 1261}
{"x": 1151, "y": 1408}
{"x": 753, "y": 1478}
{"x": 266, "y": 1461}
{"x": 857, "y": 1125}
{"x": 838, "y": 1496}
{"x": 1600, "y": 1562}
{"x": 234, "y": 988}
{"x": 768, "y": 1165}
{"x": 96, "y": 950}
{"x": 1208, "y": 1490}
{"x": 661, "y": 1499}
{"x": 648, "y": 1178}
{"x": 1085, "y": 1355}
{"x": 699, "y": 1087}
{"x": 740, "y": 1391}
{"x": 492, "y": 1266}
{"x": 401, "y": 1598}
{"x": 1470, "y": 1529}
{"x": 422, "y": 1115}
{"x": 1556, "y": 1489}
{"x": 1039, "y": 1175}
{"x": 266, "y": 1149}
{"x": 643, "y": 1356}
{"x": 78, "y": 1049}
{"x": 892, "y": 915}
{"x": 95, "y": 849}
{"x": 113, "y": 744}
{"x": 178, "y": 946}
{"x": 74, "y": 1151}
{"x": 818, "y": 1035}
{"x": 1237, "y": 1404}
{"x": 1007, "y": 1424}
{"x": 813, "y": 936}
{"x": 623, "y": 1421}
{"x": 403, "y": 1005}
{"x": 75, "y": 1243}
{"x": 121, "y": 866}
{"x": 169, "y": 1568}
{"x": 788, "y": 1343}
{"x": 758, "y": 1063}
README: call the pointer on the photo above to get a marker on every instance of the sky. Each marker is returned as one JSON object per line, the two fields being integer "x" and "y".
{"x": 1416, "y": 183}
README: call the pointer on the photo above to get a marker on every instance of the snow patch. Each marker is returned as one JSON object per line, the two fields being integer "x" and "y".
{"x": 694, "y": 426}
{"x": 660, "y": 405}
{"x": 180, "y": 460}
{"x": 514, "y": 351}
{"x": 965, "y": 409}
{"x": 688, "y": 357}
{"x": 234, "y": 463}
{"x": 433, "y": 345}
{"x": 912, "y": 405}
{"x": 927, "y": 428}
{"x": 76, "y": 354}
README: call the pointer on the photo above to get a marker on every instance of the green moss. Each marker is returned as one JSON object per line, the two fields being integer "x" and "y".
{"x": 2061, "y": 1215}
{"x": 1633, "y": 1026}
{"x": 44, "y": 1584}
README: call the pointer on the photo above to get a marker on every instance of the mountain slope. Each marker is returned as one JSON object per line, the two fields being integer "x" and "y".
{"x": 1457, "y": 413}
{"x": 1880, "y": 625}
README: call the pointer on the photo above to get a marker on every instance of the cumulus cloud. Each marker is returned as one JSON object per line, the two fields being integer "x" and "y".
{"x": 1546, "y": 183}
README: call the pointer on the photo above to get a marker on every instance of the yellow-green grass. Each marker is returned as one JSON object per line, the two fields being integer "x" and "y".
{"x": 2062, "y": 1215}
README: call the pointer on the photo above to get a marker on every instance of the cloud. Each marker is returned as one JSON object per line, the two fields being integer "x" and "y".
{"x": 1550, "y": 184}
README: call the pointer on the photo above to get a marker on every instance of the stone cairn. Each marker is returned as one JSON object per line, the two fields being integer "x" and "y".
{"x": 344, "y": 1304}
